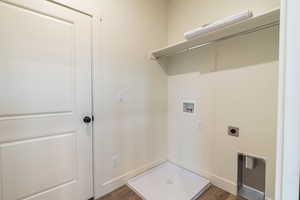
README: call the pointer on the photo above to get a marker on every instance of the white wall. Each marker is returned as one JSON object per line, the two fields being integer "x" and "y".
{"x": 132, "y": 130}
{"x": 234, "y": 83}
{"x": 200, "y": 143}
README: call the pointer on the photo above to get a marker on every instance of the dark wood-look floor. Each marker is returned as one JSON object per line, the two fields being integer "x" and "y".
{"x": 213, "y": 193}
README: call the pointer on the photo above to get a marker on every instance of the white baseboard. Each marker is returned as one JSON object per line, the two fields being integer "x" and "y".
{"x": 224, "y": 184}
{"x": 119, "y": 181}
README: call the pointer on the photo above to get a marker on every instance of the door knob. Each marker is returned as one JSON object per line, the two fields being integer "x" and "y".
{"x": 87, "y": 119}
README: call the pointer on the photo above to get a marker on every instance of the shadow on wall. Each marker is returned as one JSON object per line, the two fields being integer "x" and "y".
{"x": 164, "y": 62}
{"x": 247, "y": 50}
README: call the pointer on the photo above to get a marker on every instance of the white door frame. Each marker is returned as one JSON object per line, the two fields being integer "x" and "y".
{"x": 288, "y": 129}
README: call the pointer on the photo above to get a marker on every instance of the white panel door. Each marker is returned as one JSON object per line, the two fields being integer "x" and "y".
{"x": 45, "y": 84}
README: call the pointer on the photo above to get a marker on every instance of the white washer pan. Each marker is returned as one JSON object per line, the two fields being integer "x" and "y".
{"x": 169, "y": 182}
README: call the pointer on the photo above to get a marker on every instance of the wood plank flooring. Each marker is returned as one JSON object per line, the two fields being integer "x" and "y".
{"x": 213, "y": 193}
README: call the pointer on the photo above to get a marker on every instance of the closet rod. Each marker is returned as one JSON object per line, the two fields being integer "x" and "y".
{"x": 259, "y": 28}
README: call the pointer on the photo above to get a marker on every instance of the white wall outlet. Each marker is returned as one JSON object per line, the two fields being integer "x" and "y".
{"x": 115, "y": 161}
{"x": 123, "y": 95}
{"x": 121, "y": 98}
{"x": 199, "y": 124}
